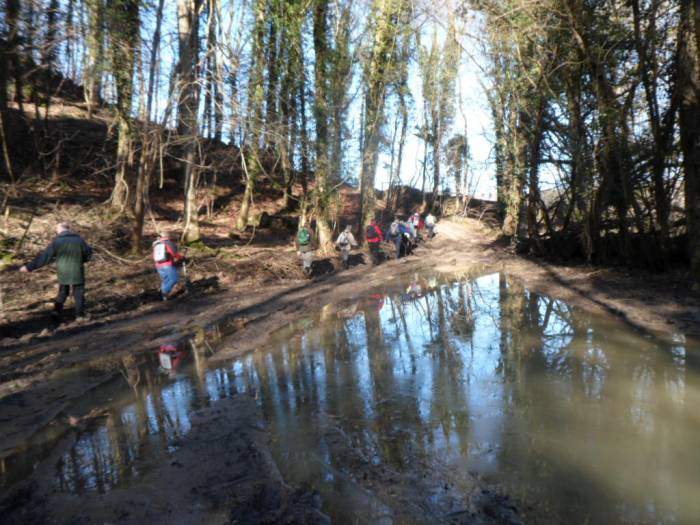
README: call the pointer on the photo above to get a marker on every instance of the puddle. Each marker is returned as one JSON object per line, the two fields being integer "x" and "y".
{"x": 390, "y": 405}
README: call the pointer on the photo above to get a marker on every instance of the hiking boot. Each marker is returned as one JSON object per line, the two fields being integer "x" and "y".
{"x": 83, "y": 318}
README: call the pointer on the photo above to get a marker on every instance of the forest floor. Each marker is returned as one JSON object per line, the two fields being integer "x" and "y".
{"x": 242, "y": 300}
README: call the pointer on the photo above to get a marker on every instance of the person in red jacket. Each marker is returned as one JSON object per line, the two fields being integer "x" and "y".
{"x": 166, "y": 257}
{"x": 374, "y": 236}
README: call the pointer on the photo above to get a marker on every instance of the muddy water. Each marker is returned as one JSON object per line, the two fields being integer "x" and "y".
{"x": 391, "y": 406}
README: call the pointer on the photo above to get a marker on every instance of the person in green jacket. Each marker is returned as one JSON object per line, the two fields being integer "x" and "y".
{"x": 71, "y": 253}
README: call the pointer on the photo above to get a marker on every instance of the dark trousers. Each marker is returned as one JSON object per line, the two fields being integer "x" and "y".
{"x": 78, "y": 297}
{"x": 374, "y": 252}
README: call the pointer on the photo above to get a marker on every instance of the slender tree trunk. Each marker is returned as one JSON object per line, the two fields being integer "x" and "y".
{"x": 321, "y": 118}
{"x": 387, "y": 16}
{"x": 211, "y": 72}
{"x": 50, "y": 44}
{"x": 661, "y": 137}
{"x": 581, "y": 194}
{"x": 152, "y": 66}
{"x": 141, "y": 193}
{"x": 689, "y": 120}
{"x": 533, "y": 200}
{"x": 95, "y": 54}
{"x": 70, "y": 40}
{"x": 124, "y": 30}
{"x": 254, "y": 127}
{"x": 13, "y": 63}
{"x": 513, "y": 182}
{"x": 272, "y": 68}
{"x": 498, "y": 115}
{"x": 218, "y": 81}
{"x": 303, "y": 132}
{"x": 188, "y": 47}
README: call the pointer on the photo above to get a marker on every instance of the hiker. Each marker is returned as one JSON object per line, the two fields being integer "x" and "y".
{"x": 374, "y": 237}
{"x": 430, "y": 225}
{"x": 166, "y": 257}
{"x": 417, "y": 225}
{"x": 395, "y": 235}
{"x": 408, "y": 237}
{"x": 346, "y": 241}
{"x": 71, "y": 253}
{"x": 305, "y": 248}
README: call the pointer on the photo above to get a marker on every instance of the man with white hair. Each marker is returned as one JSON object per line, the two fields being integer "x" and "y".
{"x": 71, "y": 253}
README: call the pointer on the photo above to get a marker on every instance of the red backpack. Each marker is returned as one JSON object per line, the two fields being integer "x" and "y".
{"x": 371, "y": 233}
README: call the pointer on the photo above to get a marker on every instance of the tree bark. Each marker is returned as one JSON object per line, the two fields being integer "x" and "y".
{"x": 322, "y": 192}
{"x": 95, "y": 54}
{"x": 124, "y": 31}
{"x": 254, "y": 122}
{"x": 387, "y": 16}
{"x": 188, "y": 47}
{"x": 13, "y": 63}
{"x": 155, "y": 48}
{"x": 689, "y": 121}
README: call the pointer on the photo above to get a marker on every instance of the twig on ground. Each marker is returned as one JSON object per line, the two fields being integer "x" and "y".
{"x": 116, "y": 257}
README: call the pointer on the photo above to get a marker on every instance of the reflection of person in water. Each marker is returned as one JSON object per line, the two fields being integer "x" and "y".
{"x": 414, "y": 289}
{"x": 170, "y": 357}
{"x": 379, "y": 298}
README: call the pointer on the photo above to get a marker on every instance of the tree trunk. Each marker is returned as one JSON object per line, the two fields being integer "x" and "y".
{"x": 155, "y": 48}
{"x": 516, "y": 159}
{"x": 387, "y": 14}
{"x": 211, "y": 72}
{"x": 689, "y": 120}
{"x": 13, "y": 63}
{"x": 124, "y": 30}
{"x": 50, "y": 44}
{"x": 581, "y": 193}
{"x": 535, "y": 148}
{"x": 95, "y": 54}
{"x": 254, "y": 126}
{"x": 188, "y": 48}
{"x": 321, "y": 117}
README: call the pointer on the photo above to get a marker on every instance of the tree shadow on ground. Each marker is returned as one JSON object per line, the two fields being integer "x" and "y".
{"x": 98, "y": 309}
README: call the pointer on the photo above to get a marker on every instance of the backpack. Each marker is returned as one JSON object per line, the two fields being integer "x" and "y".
{"x": 304, "y": 237}
{"x": 160, "y": 252}
{"x": 343, "y": 239}
{"x": 394, "y": 229}
{"x": 371, "y": 233}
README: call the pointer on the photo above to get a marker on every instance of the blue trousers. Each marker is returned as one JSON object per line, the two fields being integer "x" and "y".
{"x": 397, "y": 242}
{"x": 168, "y": 278}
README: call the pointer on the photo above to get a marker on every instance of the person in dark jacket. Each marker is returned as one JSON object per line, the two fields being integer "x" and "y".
{"x": 71, "y": 253}
{"x": 166, "y": 258}
{"x": 305, "y": 245}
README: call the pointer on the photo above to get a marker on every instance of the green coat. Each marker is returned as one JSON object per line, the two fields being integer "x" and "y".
{"x": 70, "y": 252}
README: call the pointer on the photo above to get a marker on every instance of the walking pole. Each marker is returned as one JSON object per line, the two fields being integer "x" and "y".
{"x": 184, "y": 270}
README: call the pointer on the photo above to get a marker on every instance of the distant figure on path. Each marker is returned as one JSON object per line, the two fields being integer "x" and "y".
{"x": 305, "y": 247}
{"x": 374, "y": 237}
{"x": 346, "y": 242}
{"x": 395, "y": 235}
{"x": 71, "y": 253}
{"x": 166, "y": 257}
{"x": 430, "y": 225}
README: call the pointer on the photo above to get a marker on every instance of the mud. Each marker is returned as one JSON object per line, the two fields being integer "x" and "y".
{"x": 43, "y": 380}
{"x": 221, "y": 472}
